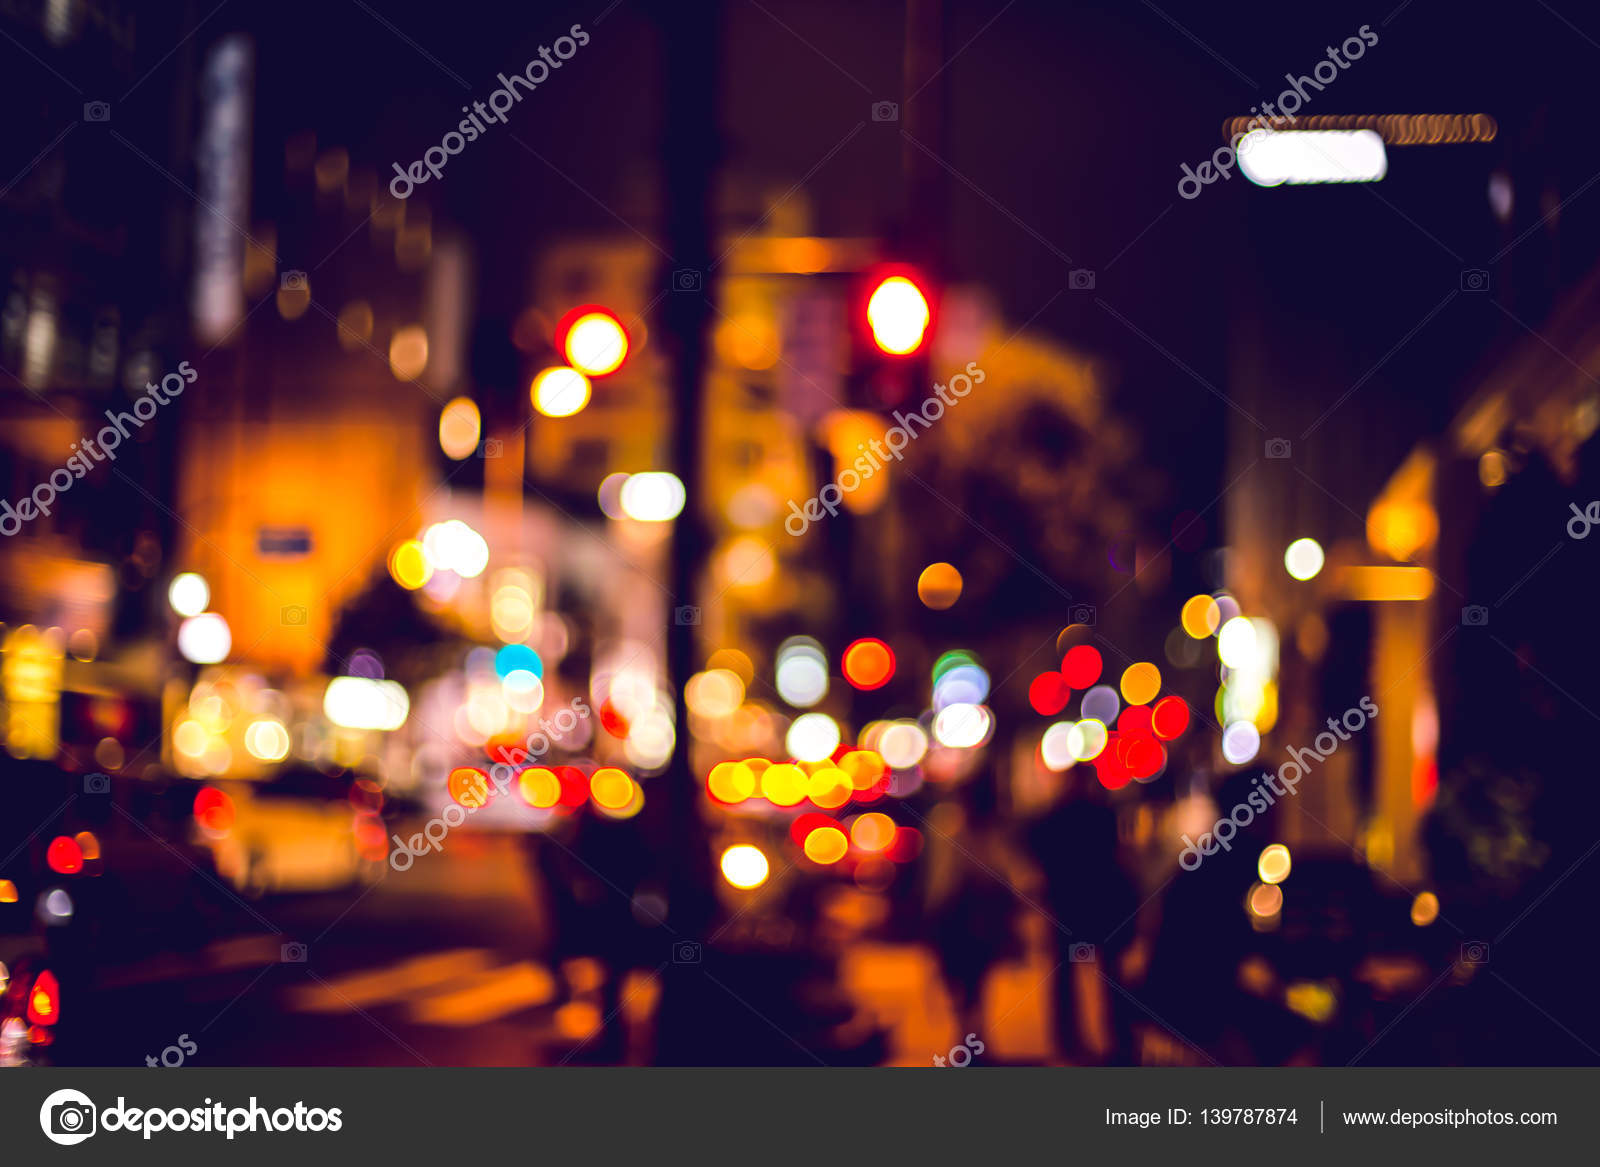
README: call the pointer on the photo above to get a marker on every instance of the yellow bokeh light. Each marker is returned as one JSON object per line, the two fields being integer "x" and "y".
{"x": 829, "y": 787}
{"x": 460, "y": 427}
{"x": 1401, "y": 529}
{"x": 1200, "y": 617}
{"x": 408, "y": 352}
{"x": 560, "y": 391}
{"x": 409, "y": 565}
{"x": 731, "y": 782}
{"x": 1274, "y": 864}
{"x": 611, "y": 788}
{"x": 539, "y": 787}
{"x": 596, "y": 344}
{"x": 1424, "y": 909}
{"x": 1141, "y": 683}
{"x": 826, "y": 845}
{"x": 744, "y": 866}
{"x": 190, "y": 738}
{"x": 715, "y": 693}
{"x": 267, "y": 740}
{"x": 784, "y": 784}
{"x": 864, "y": 767}
{"x": 939, "y": 586}
{"x": 511, "y": 612}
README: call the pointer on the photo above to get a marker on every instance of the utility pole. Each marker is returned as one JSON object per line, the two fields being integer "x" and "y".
{"x": 690, "y": 38}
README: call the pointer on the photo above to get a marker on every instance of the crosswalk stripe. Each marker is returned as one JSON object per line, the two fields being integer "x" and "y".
{"x": 394, "y": 982}
{"x": 488, "y": 996}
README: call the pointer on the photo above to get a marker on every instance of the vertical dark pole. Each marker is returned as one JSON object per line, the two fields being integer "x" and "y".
{"x": 923, "y": 118}
{"x": 690, "y": 39}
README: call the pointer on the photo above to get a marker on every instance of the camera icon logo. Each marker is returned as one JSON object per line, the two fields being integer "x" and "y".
{"x": 96, "y": 784}
{"x": 1278, "y": 448}
{"x": 1081, "y": 279}
{"x": 1081, "y": 953}
{"x": 686, "y": 279}
{"x": 293, "y": 952}
{"x": 686, "y": 614}
{"x": 96, "y": 111}
{"x": 492, "y": 448}
{"x": 294, "y": 614}
{"x": 1474, "y": 616}
{"x": 1475, "y": 952}
{"x": 292, "y": 281}
{"x": 67, "y": 1117}
{"x": 1084, "y": 614}
{"x": 1474, "y": 279}
{"x": 885, "y": 111}
{"x": 686, "y": 952}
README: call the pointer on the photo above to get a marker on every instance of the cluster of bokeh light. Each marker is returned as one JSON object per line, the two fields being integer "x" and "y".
{"x": 1246, "y": 703}
{"x": 1263, "y": 903}
{"x": 447, "y": 553}
{"x": 1122, "y": 729}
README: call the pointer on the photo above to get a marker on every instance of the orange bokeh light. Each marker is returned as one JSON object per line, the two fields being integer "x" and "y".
{"x": 868, "y": 663}
{"x": 826, "y": 845}
{"x": 469, "y": 787}
{"x": 872, "y": 831}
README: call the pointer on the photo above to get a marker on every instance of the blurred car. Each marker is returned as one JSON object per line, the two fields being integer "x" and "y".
{"x": 302, "y": 831}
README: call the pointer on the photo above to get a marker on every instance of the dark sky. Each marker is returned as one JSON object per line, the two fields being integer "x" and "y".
{"x": 1066, "y": 127}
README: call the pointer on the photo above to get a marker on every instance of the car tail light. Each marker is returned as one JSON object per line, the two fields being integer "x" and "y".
{"x": 44, "y": 999}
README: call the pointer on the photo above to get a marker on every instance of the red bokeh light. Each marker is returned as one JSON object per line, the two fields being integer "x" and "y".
{"x": 213, "y": 809}
{"x": 907, "y": 845}
{"x": 1135, "y": 720}
{"x": 1081, "y": 666}
{"x": 64, "y": 856}
{"x": 1049, "y": 693}
{"x": 574, "y": 786}
{"x": 612, "y": 721}
{"x": 1169, "y": 718}
{"x": 44, "y": 999}
{"x": 804, "y": 824}
{"x": 1144, "y": 757}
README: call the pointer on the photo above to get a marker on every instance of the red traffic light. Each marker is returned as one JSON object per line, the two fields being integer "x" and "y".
{"x": 898, "y": 313}
{"x": 593, "y": 340}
